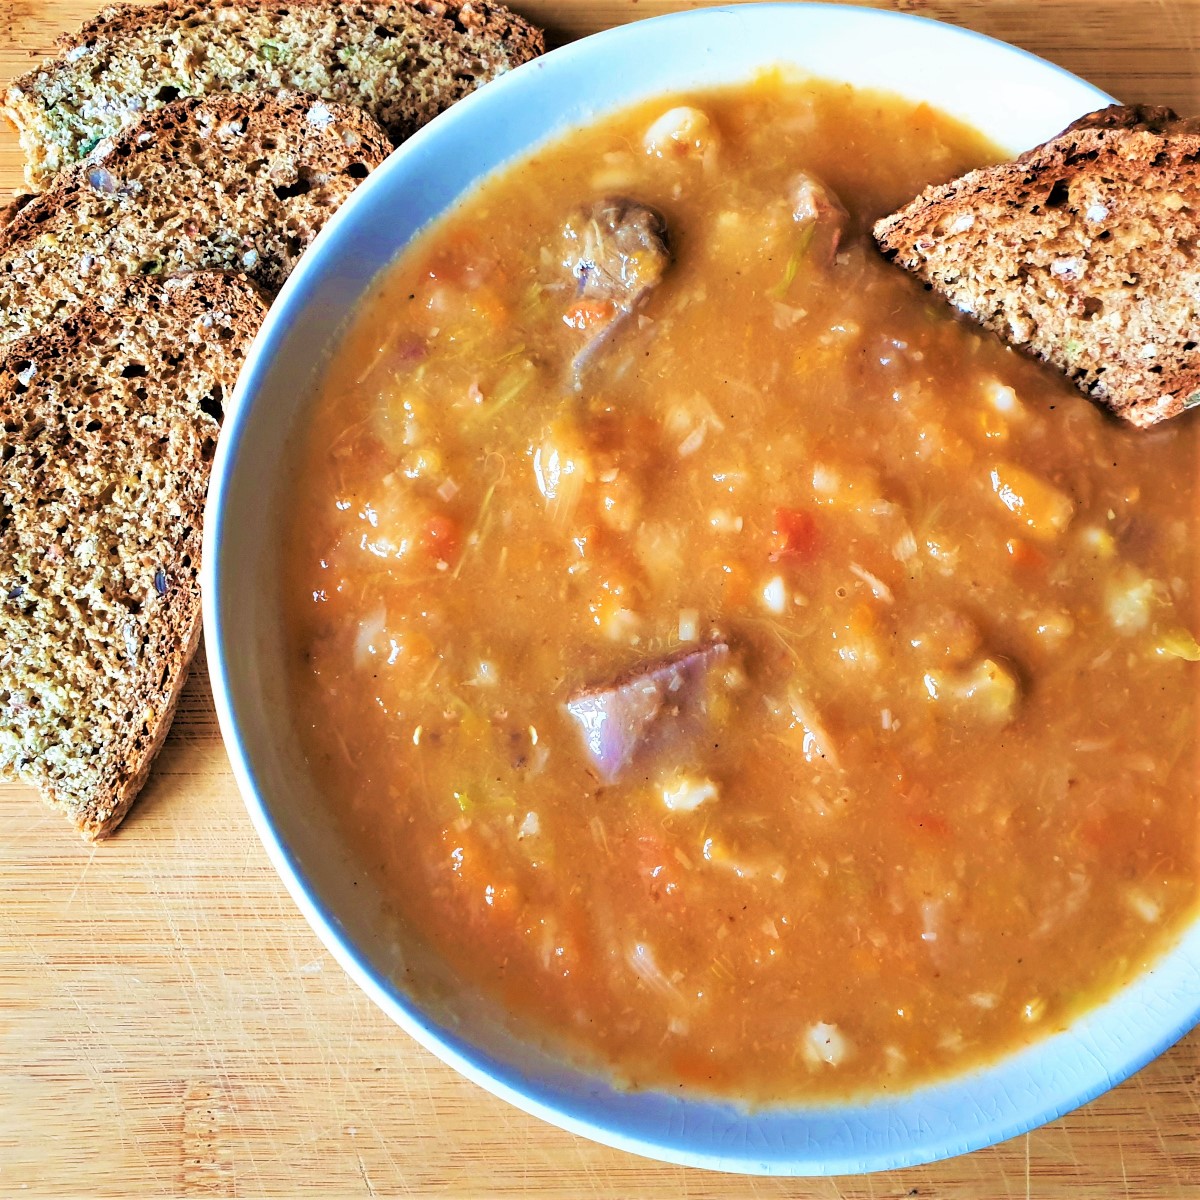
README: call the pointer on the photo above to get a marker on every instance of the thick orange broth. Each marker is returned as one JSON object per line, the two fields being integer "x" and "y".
{"x": 939, "y": 792}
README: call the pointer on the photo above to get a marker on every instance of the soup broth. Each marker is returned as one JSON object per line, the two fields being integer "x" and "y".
{"x": 754, "y": 677}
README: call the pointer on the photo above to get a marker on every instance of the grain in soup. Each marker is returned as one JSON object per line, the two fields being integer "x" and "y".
{"x": 751, "y": 676}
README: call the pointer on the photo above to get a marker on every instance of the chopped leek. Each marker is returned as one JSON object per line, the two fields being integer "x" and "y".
{"x": 479, "y": 532}
{"x": 803, "y": 241}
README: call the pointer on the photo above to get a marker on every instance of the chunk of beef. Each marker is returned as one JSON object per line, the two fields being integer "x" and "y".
{"x": 816, "y": 206}
{"x": 644, "y": 706}
{"x": 617, "y": 252}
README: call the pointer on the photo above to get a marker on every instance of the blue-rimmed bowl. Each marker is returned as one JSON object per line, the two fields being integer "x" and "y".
{"x": 1015, "y": 99}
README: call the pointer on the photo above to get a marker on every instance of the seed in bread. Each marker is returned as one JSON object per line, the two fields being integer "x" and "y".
{"x": 1084, "y": 251}
{"x": 238, "y": 182}
{"x": 108, "y": 422}
{"x": 402, "y": 61}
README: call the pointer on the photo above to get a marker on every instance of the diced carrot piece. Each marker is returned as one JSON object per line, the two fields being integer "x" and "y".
{"x": 502, "y": 899}
{"x": 1024, "y": 555}
{"x": 862, "y": 620}
{"x": 993, "y": 425}
{"x": 864, "y": 960}
{"x": 462, "y": 849}
{"x": 930, "y": 823}
{"x": 589, "y": 314}
{"x": 453, "y": 264}
{"x": 736, "y": 585}
{"x": 487, "y": 304}
{"x": 1101, "y": 831}
{"x": 485, "y": 890}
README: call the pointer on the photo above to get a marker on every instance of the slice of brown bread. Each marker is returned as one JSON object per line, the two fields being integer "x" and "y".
{"x": 239, "y": 182}
{"x": 109, "y": 421}
{"x": 402, "y": 61}
{"x": 1084, "y": 251}
{"x": 14, "y": 206}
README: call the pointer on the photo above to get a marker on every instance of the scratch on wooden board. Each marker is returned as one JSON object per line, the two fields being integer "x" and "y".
{"x": 1066, "y": 1136}
{"x": 1028, "y": 1193}
{"x": 1121, "y": 1155}
{"x": 1005, "y": 1179}
{"x": 366, "y": 1107}
{"x": 200, "y": 1017}
{"x": 1168, "y": 1157}
{"x": 83, "y": 1045}
{"x": 82, "y": 876}
{"x": 362, "y": 1170}
{"x": 1171, "y": 12}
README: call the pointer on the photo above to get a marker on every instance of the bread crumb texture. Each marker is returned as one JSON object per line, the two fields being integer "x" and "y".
{"x": 403, "y": 62}
{"x": 236, "y": 182}
{"x": 109, "y": 425}
{"x": 1085, "y": 252}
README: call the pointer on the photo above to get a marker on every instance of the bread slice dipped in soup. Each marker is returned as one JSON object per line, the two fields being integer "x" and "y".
{"x": 756, "y": 679}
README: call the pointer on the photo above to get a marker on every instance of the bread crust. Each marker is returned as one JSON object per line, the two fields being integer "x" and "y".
{"x": 1082, "y": 252}
{"x": 109, "y": 422}
{"x": 403, "y": 61}
{"x": 9, "y": 211}
{"x": 480, "y": 17}
{"x": 100, "y": 819}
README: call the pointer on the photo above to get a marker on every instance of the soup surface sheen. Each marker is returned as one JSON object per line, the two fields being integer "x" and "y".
{"x": 924, "y": 786}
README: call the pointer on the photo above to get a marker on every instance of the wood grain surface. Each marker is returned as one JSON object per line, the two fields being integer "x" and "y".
{"x": 170, "y": 1026}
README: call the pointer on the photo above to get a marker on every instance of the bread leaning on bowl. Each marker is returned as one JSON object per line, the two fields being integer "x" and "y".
{"x": 108, "y": 424}
{"x": 402, "y": 61}
{"x": 236, "y": 182}
{"x": 1085, "y": 252}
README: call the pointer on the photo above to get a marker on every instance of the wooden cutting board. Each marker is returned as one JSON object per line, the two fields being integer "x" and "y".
{"x": 170, "y": 1026}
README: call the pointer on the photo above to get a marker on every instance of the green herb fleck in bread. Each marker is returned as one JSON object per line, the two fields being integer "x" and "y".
{"x": 1085, "y": 252}
{"x": 108, "y": 423}
{"x": 240, "y": 182}
{"x": 403, "y": 62}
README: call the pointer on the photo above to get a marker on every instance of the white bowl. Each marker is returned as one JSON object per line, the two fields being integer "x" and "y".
{"x": 1016, "y": 100}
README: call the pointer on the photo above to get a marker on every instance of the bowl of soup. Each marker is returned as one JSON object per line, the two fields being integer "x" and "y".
{"x": 698, "y": 686}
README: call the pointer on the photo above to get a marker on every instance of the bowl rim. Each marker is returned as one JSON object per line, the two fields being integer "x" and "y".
{"x": 917, "y": 1146}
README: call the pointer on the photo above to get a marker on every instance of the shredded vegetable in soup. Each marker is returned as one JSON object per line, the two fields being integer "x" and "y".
{"x": 753, "y": 677}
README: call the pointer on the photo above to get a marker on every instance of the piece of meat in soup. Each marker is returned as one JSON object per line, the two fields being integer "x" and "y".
{"x": 644, "y": 707}
{"x": 817, "y": 209}
{"x": 617, "y": 251}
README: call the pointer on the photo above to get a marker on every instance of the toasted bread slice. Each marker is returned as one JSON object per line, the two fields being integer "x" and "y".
{"x": 402, "y": 61}
{"x": 239, "y": 182}
{"x": 1084, "y": 251}
{"x": 109, "y": 424}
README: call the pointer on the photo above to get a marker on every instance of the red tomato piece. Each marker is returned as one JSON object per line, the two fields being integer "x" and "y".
{"x": 440, "y": 536}
{"x": 795, "y": 535}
